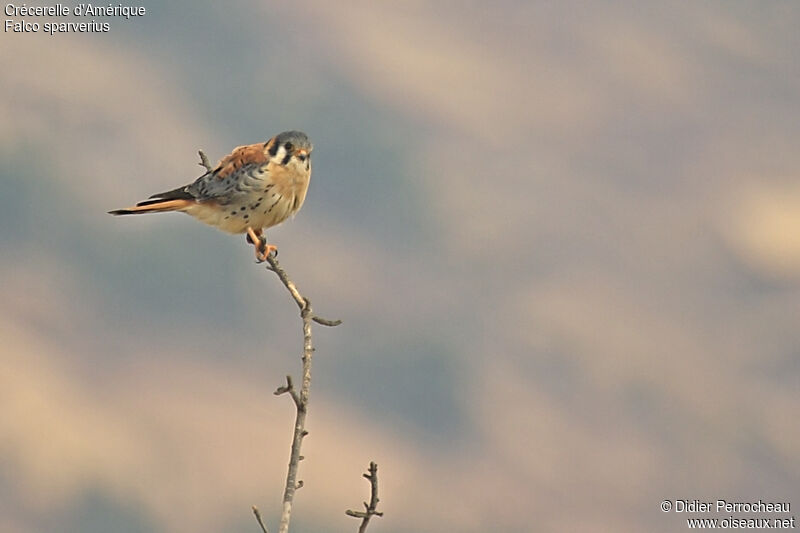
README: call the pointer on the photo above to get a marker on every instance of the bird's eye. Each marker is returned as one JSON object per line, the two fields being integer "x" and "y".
{"x": 289, "y": 147}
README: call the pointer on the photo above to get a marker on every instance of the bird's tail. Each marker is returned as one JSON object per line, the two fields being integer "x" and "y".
{"x": 153, "y": 206}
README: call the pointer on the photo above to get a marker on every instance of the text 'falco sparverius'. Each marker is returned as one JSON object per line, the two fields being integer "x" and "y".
{"x": 253, "y": 188}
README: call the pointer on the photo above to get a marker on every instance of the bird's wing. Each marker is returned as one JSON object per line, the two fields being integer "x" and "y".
{"x": 241, "y": 156}
{"x": 238, "y": 173}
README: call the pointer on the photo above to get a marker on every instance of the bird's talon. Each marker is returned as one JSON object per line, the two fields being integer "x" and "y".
{"x": 264, "y": 250}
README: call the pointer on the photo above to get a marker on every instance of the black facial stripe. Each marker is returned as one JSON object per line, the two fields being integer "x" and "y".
{"x": 286, "y": 159}
{"x": 273, "y": 149}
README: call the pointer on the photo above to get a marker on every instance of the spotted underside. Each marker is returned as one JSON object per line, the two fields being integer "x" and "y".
{"x": 249, "y": 202}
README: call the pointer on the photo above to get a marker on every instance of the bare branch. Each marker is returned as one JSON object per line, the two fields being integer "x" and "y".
{"x": 204, "y": 161}
{"x": 300, "y": 397}
{"x": 371, "y": 507}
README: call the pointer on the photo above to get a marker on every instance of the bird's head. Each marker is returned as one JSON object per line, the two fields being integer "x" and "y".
{"x": 291, "y": 146}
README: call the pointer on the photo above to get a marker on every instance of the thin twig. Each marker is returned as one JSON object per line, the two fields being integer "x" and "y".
{"x": 204, "y": 161}
{"x": 288, "y": 388}
{"x": 258, "y": 519}
{"x": 371, "y": 507}
{"x": 325, "y": 322}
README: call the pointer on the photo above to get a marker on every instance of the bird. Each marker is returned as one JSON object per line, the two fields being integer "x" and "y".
{"x": 255, "y": 187}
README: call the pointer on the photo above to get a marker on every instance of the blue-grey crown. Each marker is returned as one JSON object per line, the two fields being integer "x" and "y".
{"x": 298, "y": 139}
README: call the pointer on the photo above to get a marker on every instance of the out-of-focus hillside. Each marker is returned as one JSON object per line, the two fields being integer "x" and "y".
{"x": 564, "y": 241}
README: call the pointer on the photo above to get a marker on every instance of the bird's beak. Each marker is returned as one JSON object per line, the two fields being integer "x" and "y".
{"x": 302, "y": 152}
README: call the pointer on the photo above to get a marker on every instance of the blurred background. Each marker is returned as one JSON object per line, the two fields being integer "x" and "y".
{"x": 564, "y": 240}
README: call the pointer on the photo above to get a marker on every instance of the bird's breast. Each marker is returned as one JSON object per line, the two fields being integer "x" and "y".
{"x": 271, "y": 196}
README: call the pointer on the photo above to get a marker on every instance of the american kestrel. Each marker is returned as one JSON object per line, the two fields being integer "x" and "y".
{"x": 253, "y": 188}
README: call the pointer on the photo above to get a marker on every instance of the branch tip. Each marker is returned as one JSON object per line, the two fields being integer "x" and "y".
{"x": 325, "y": 322}
{"x": 371, "y": 507}
{"x": 204, "y": 161}
{"x": 258, "y": 517}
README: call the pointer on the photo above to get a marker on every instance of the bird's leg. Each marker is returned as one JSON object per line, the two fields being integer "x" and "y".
{"x": 259, "y": 242}
{"x": 253, "y": 235}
